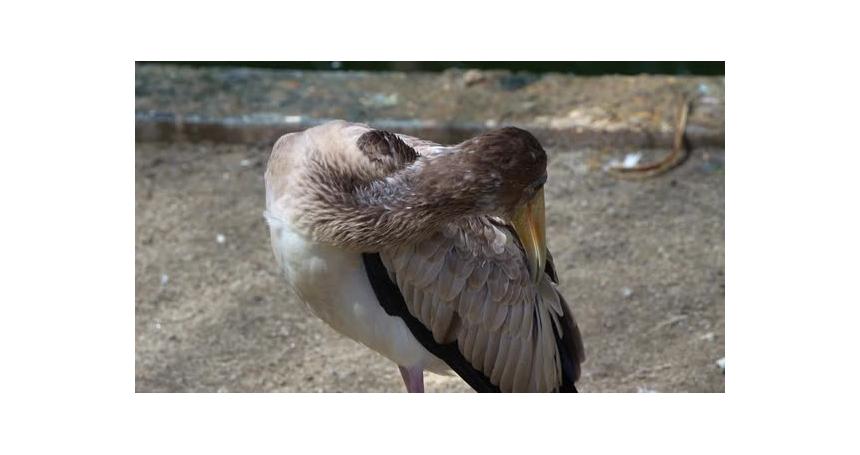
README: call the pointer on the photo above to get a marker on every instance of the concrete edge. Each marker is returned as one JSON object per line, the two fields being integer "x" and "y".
{"x": 265, "y": 129}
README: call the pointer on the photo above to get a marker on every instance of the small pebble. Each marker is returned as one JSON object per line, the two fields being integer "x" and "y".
{"x": 164, "y": 279}
{"x": 245, "y": 163}
{"x": 722, "y": 363}
{"x": 472, "y": 77}
{"x": 626, "y": 292}
{"x": 631, "y": 160}
{"x": 708, "y": 336}
{"x": 220, "y": 238}
{"x": 380, "y": 100}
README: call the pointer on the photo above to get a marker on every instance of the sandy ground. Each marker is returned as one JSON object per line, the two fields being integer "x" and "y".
{"x": 641, "y": 262}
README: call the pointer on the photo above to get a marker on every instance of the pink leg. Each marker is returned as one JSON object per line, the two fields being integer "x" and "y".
{"x": 413, "y": 378}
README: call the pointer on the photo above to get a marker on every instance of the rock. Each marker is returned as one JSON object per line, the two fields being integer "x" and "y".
{"x": 473, "y": 77}
{"x": 380, "y": 100}
{"x": 631, "y": 160}
{"x": 220, "y": 238}
{"x": 516, "y": 81}
{"x": 722, "y": 363}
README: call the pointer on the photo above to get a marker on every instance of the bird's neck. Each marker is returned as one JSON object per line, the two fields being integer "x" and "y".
{"x": 406, "y": 206}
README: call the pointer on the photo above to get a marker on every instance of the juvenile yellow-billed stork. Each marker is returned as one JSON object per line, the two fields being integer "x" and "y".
{"x": 433, "y": 256}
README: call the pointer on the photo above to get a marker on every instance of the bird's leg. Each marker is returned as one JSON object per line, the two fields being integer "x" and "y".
{"x": 413, "y": 378}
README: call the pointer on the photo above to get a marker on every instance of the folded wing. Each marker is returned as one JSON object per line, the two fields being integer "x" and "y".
{"x": 467, "y": 290}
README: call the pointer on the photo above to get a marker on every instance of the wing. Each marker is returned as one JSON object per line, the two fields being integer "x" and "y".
{"x": 421, "y": 146}
{"x": 466, "y": 295}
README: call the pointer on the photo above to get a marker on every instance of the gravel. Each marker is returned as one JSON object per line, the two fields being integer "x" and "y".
{"x": 218, "y": 317}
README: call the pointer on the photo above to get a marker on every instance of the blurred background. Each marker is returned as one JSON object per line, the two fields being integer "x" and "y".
{"x": 640, "y": 255}
{"x": 578, "y": 68}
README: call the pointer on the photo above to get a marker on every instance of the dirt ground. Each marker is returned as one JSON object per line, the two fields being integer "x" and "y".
{"x": 641, "y": 262}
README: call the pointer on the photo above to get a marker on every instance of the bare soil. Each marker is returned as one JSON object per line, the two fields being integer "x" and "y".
{"x": 641, "y": 262}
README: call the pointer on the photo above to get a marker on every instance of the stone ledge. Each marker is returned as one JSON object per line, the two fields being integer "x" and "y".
{"x": 242, "y": 105}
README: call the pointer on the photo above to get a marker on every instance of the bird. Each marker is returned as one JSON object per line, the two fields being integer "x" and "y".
{"x": 433, "y": 256}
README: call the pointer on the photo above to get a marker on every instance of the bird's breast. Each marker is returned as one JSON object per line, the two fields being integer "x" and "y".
{"x": 334, "y": 285}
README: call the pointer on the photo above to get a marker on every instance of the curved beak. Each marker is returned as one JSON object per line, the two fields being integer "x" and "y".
{"x": 530, "y": 224}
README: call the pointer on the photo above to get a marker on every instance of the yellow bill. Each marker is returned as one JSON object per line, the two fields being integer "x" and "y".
{"x": 530, "y": 223}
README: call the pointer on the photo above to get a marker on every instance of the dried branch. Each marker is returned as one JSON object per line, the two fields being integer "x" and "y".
{"x": 678, "y": 154}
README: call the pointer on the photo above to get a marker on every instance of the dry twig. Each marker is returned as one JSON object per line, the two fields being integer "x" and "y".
{"x": 678, "y": 154}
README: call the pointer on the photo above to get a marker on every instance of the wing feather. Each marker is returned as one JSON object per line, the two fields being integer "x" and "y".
{"x": 469, "y": 285}
{"x": 524, "y": 367}
{"x": 501, "y": 359}
{"x": 442, "y": 321}
{"x": 495, "y": 316}
{"x": 492, "y": 351}
{"x": 479, "y": 351}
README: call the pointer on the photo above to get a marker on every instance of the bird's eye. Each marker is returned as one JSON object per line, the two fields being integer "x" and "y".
{"x": 537, "y": 185}
{"x": 532, "y": 189}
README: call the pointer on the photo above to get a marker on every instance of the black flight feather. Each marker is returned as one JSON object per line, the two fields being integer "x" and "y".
{"x": 392, "y": 302}
{"x": 569, "y": 341}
